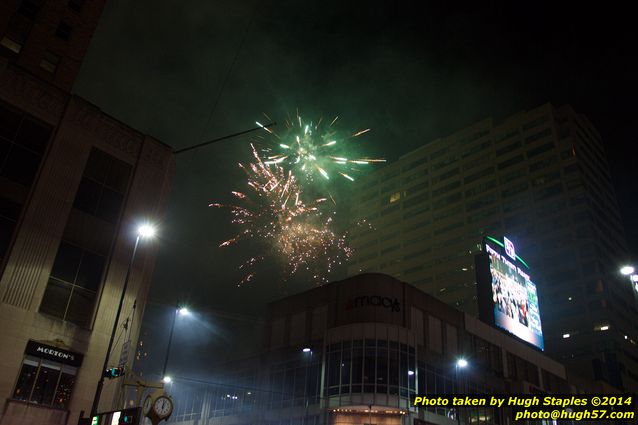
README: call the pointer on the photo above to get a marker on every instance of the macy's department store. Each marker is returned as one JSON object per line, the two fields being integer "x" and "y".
{"x": 357, "y": 351}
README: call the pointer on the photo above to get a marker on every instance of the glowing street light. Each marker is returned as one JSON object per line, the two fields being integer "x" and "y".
{"x": 306, "y": 349}
{"x": 461, "y": 363}
{"x": 184, "y": 311}
{"x": 167, "y": 379}
{"x": 630, "y": 272}
{"x": 146, "y": 231}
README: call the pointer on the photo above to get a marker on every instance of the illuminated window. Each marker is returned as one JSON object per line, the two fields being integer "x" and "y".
{"x": 395, "y": 197}
{"x": 50, "y": 62}
{"x": 14, "y": 45}
{"x": 45, "y": 382}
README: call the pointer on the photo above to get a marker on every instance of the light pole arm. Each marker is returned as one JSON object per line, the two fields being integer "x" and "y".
{"x": 219, "y": 139}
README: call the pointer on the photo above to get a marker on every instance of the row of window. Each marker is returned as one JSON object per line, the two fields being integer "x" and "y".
{"x": 412, "y": 201}
{"x": 80, "y": 262}
{"x": 23, "y": 141}
{"x": 45, "y": 382}
{"x": 20, "y": 26}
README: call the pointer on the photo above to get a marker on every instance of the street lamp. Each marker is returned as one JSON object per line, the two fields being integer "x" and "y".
{"x": 179, "y": 311}
{"x": 460, "y": 363}
{"x": 308, "y": 352}
{"x": 143, "y": 232}
{"x": 631, "y": 272}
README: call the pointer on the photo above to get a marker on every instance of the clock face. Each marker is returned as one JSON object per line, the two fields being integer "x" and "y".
{"x": 163, "y": 406}
{"x": 147, "y": 405}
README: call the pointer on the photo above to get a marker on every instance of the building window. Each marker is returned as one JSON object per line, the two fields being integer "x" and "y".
{"x": 102, "y": 189}
{"x": 370, "y": 366}
{"x": 76, "y": 5}
{"x": 508, "y": 163}
{"x": 538, "y": 136}
{"x": 73, "y": 284}
{"x": 29, "y": 8}
{"x": 446, "y": 175}
{"x": 14, "y": 43}
{"x": 9, "y": 213}
{"x": 479, "y": 174}
{"x": 509, "y": 148}
{"x": 45, "y": 382}
{"x": 395, "y": 197}
{"x": 50, "y": 62}
{"x": 22, "y": 143}
{"x": 79, "y": 264}
{"x": 64, "y": 30}
{"x": 542, "y": 148}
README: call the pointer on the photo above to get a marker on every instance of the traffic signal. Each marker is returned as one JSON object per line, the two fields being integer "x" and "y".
{"x": 114, "y": 372}
{"x": 129, "y": 416}
{"x": 127, "y": 419}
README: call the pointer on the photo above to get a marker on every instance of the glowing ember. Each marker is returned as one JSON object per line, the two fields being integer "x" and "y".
{"x": 274, "y": 214}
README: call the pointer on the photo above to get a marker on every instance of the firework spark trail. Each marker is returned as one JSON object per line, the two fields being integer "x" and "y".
{"x": 291, "y": 231}
{"x": 314, "y": 150}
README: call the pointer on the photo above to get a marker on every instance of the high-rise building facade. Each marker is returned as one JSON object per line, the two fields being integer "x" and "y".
{"x": 540, "y": 178}
{"x": 74, "y": 183}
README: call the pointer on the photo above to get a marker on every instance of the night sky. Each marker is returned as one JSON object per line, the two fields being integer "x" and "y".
{"x": 194, "y": 70}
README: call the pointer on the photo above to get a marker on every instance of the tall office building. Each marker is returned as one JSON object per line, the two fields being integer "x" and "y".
{"x": 73, "y": 184}
{"x": 540, "y": 178}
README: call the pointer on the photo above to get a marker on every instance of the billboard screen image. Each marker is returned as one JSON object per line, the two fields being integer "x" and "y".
{"x": 514, "y": 298}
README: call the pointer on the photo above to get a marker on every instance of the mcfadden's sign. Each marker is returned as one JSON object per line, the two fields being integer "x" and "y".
{"x": 374, "y": 301}
{"x": 53, "y": 353}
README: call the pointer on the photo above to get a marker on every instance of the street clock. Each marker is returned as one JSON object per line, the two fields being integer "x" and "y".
{"x": 158, "y": 406}
{"x": 146, "y": 407}
{"x": 163, "y": 407}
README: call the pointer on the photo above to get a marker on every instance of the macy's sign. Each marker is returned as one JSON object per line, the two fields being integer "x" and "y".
{"x": 375, "y": 301}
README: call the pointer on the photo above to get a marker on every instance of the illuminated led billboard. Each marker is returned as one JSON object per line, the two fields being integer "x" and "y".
{"x": 507, "y": 294}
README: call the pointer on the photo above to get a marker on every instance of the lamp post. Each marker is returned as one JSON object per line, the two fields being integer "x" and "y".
{"x": 308, "y": 353}
{"x": 461, "y": 363}
{"x": 143, "y": 232}
{"x": 179, "y": 311}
